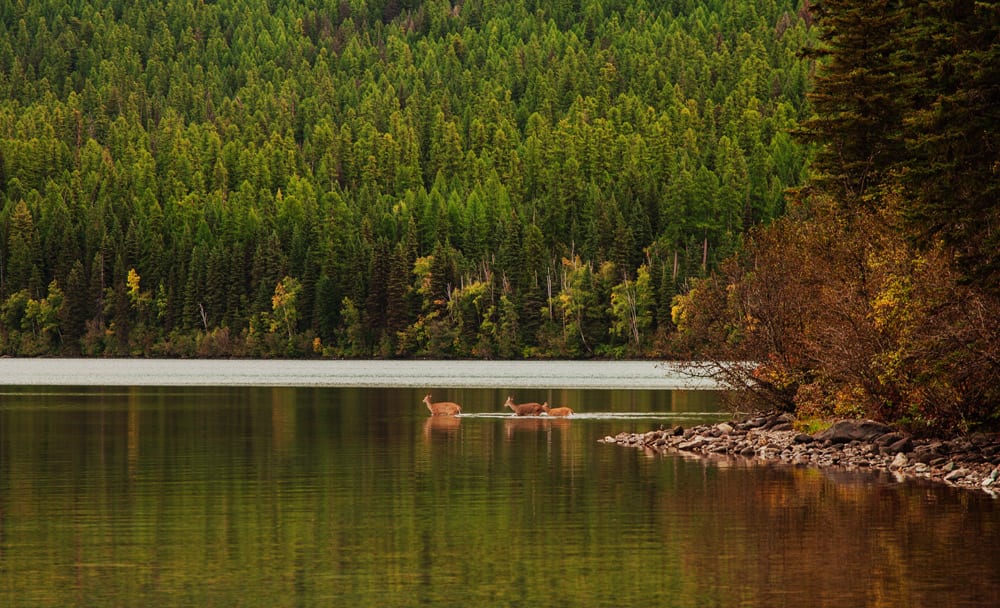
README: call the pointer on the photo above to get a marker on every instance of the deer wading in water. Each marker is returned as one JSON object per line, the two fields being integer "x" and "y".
{"x": 525, "y": 409}
{"x": 442, "y": 408}
{"x": 557, "y": 411}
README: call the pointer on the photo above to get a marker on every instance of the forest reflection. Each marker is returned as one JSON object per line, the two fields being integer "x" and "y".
{"x": 303, "y": 496}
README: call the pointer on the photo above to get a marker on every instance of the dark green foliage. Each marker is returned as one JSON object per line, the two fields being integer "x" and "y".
{"x": 908, "y": 97}
{"x": 951, "y": 168}
{"x": 218, "y": 148}
{"x": 857, "y": 99}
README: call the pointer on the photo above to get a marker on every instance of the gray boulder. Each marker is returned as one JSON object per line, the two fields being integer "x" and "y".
{"x": 846, "y": 431}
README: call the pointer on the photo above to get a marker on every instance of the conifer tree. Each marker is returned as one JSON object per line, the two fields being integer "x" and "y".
{"x": 856, "y": 97}
{"x": 76, "y": 309}
{"x": 950, "y": 53}
{"x": 23, "y": 251}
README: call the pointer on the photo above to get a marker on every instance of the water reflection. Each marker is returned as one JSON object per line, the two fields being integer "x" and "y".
{"x": 519, "y": 424}
{"x": 841, "y": 538}
{"x": 447, "y": 425}
{"x": 316, "y": 497}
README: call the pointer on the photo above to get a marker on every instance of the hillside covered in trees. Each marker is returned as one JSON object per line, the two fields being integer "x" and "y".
{"x": 502, "y": 178}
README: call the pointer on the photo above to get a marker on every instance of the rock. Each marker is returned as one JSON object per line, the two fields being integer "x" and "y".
{"x": 902, "y": 445}
{"x": 694, "y": 444}
{"x": 890, "y": 438}
{"x": 956, "y": 474}
{"x": 957, "y": 446}
{"x": 925, "y": 453}
{"x": 964, "y": 462}
{"x": 980, "y": 439}
{"x": 846, "y": 431}
{"x": 779, "y": 420}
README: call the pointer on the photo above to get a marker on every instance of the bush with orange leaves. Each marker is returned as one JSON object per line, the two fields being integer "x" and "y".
{"x": 841, "y": 317}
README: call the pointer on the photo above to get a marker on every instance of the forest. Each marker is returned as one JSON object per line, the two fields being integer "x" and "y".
{"x": 386, "y": 178}
{"x": 877, "y": 294}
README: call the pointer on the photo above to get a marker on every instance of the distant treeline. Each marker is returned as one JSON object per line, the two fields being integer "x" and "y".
{"x": 488, "y": 178}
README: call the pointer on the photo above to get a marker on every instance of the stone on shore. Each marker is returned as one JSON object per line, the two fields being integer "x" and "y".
{"x": 904, "y": 444}
{"x": 846, "y": 431}
{"x": 956, "y": 474}
{"x": 968, "y": 462}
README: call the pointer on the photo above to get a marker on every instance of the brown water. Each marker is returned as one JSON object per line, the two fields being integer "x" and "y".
{"x": 279, "y": 496}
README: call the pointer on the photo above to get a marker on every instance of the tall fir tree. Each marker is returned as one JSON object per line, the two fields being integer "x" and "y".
{"x": 856, "y": 98}
{"x": 950, "y": 53}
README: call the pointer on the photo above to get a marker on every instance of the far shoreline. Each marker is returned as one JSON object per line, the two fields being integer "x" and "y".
{"x": 646, "y": 374}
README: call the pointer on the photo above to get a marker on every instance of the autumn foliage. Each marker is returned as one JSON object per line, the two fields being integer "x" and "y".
{"x": 845, "y": 319}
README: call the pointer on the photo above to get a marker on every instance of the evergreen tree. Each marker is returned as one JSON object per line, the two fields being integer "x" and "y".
{"x": 76, "y": 310}
{"x": 23, "y": 252}
{"x": 951, "y": 54}
{"x": 857, "y": 97}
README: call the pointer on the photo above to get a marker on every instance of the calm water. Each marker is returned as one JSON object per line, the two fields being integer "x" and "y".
{"x": 163, "y": 495}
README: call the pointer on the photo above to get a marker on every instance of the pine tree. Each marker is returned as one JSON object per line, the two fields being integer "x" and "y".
{"x": 951, "y": 56}
{"x": 23, "y": 252}
{"x": 376, "y": 302}
{"x": 76, "y": 310}
{"x": 857, "y": 98}
{"x": 327, "y": 312}
{"x": 398, "y": 288}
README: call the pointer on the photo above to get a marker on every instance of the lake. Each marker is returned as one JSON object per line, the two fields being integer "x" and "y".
{"x": 248, "y": 483}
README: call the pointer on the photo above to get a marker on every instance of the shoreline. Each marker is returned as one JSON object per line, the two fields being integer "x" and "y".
{"x": 416, "y": 373}
{"x": 971, "y": 462}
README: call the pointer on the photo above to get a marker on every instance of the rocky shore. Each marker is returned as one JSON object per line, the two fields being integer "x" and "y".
{"x": 969, "y": 462}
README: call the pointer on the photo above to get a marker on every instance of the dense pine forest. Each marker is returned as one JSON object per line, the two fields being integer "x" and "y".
{"x": 502, "y": 178}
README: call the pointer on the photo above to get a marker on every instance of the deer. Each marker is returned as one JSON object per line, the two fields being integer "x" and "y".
{"x": 442, "y": 408}
{"x": 525, "y": 409}
{"x": 557, "y": 411}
